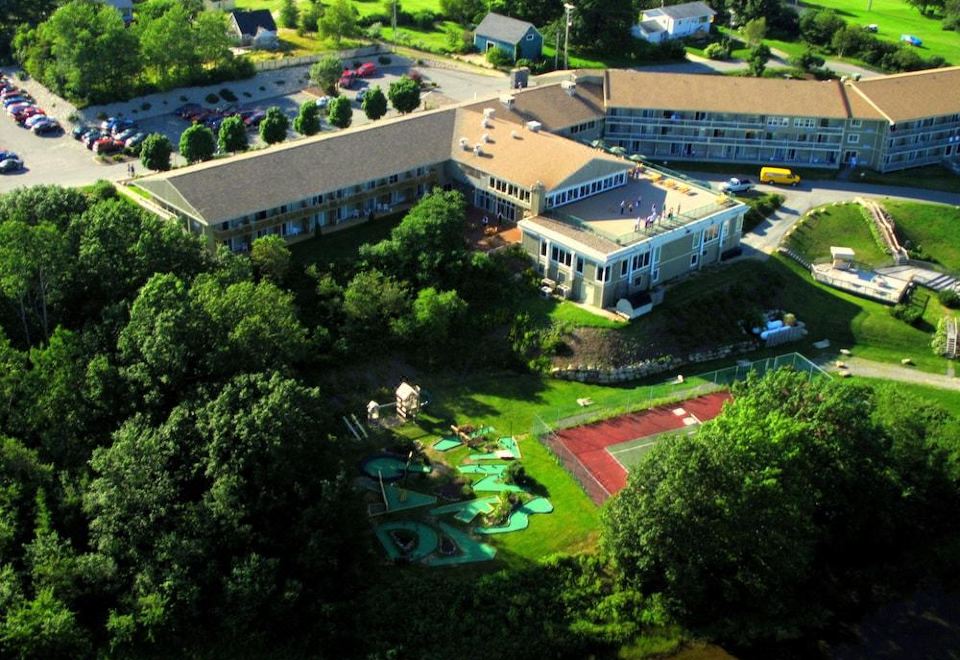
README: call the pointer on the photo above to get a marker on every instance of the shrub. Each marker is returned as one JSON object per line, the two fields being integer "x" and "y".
{"x": 374, "y": 31}
{"x": 499, "y": 58}
{"x": 718, "y": 51}
{"x": 424, "y": 19}
{"x": 909, "y": 314}
{"x": 211, "y": 98}
{"x": 949, "y": 298}
{"x": 228, "y": 95}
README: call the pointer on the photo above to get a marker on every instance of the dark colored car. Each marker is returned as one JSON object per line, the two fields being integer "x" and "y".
{"x": 23, "y": 115}
{"x": 12, "y": 100}
{"x": 10, "y": 165}
{"x": 92, "y": 136}
{"x": 51, "y": 127}
{"x": 255, "y": 118}
{"x": 80, "y": 129}
{"x": 4, "y": 155}
{"x": 187, "y": 110}
{"x": 34, "y": 120}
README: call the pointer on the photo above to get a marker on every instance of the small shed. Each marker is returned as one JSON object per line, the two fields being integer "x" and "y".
{"x": 517, "y": 38}
{"x": 842, "y": 257}
{"x": 408, "y": 400}
{"x": 248, "y": 26}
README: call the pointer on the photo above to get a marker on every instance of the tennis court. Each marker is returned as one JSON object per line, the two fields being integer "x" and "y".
{"x": 609, "y": 447}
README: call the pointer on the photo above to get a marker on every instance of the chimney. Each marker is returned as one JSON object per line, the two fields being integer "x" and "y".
{"x": 485, "y": 138}
{"x": 534, "y": 126}
{"x": 570, "y": 87}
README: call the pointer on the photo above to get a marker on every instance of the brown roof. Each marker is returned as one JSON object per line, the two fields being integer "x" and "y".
{"x": 913, "y": 95}
{"x": 525, "y": 157}
{"x": 232, "y": 187}
{"x": 734, "y": 94}
{"x": 551, "y": 105}
{"x": 585, "y": 237}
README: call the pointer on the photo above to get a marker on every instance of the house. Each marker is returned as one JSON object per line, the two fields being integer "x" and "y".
{"x": 519, "y": 39}
{"x": 256, "y": 28}
{"x": 690, "y": 19}
{"x": 125, "y": 7}
{"x": 219, "y": 5}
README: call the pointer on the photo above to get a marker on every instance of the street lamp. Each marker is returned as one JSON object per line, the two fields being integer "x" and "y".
{"x": 566, "y": 39}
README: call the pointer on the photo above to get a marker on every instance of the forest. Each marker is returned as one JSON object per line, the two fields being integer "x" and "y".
{"x": 173, "y": 481}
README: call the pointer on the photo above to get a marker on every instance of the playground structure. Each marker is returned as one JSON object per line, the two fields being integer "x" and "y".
{"x": 408, "y": 401}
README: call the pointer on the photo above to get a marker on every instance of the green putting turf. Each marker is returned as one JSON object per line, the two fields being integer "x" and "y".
{"x": 470, "y": 549}
{"x": 399, "y": 499}
{"x": 496, "y": 470}
{"x": 519, "y": 519}
{"x": 427, "y": 539}
{"x": 467, "y": 511}
{"x": 509, "y": 449}
{"x": 492, "y": 484}
{"x": 391, "y": 467}
{"x": 446, "y": 444}
{"x": 483, "y": 430}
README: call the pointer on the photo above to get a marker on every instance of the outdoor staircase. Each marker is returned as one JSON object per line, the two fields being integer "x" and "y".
{"x": 943, "y": 281}
{"x": 951, "y": 338}
{"x": 887, "y": 229}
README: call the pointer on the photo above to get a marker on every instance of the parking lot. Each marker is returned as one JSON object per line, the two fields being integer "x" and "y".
{"x": 64, "y": 161}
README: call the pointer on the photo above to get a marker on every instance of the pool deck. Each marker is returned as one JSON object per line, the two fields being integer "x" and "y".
{"x": 869, "y": 284}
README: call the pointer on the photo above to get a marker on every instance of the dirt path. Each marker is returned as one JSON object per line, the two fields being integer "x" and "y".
{"x": 870, "y": 369}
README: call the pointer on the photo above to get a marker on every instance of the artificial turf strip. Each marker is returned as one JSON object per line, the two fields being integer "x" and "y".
{"x": 467, "y": 511}
{"x": 446, "y": 444}
{"x": 519, "y": 519}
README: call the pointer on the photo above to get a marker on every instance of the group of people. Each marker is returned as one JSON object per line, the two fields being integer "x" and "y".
{"x": 654, "y": 217}
{"x": 486, "y": 222}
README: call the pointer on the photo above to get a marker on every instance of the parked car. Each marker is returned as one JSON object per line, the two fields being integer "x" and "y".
{"x": 11, "y": 91}
{"x": 91, "y": 137}
{"x": 367, "y": 69}
{"x": 323, "y": 101}
{"x": 122, "y": 125}
{"x": 32, "y": 111}
{"x": 347, "y": 79}
{"x": 15, "y": 108}
{"x": 910, "y": 39}
{"x": 34, "y": 120}
{"x": 122, "y": 137}
{"x": 106, "y": 145}
{"x": 4, "y": 155}
{"x": 186, "y": 110}
{"x": 135, "y": 140}
{"x": 49, "y": 127}
{"x": 255, "y": 118}
{"x": 79, "y": 130}
{"x": 362, "y": 94}
{"x": 13, "y": 100}
{"x": 873, "y": 27}
{"x": 10, "y": 165}
{"x": 736, "y": 185}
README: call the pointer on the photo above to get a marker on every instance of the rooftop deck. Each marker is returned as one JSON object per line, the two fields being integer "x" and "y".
{"x": 665, "y": 203}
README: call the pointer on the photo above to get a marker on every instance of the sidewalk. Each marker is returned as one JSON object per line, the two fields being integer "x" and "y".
{"x": 870, "y": 369}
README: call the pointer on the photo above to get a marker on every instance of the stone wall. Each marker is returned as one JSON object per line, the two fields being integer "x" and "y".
{"x": 658, "y": 365}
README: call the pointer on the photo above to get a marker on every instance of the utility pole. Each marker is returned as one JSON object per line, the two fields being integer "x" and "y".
{"x": 394, "y": 20}
{"x": 556, "y": 52}
{"x": 566, "y": 39}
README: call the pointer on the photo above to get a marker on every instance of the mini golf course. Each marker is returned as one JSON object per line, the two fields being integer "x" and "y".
{"x": 434, "y": 542}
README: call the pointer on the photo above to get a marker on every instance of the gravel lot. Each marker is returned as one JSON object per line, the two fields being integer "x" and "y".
{"x": 64, "y": 161}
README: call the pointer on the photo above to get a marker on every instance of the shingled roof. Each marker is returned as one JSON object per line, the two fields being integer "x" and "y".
{"x": 248, "y": 22}
{"x": 687, "y": 10}
{"x": 502, "y": 28}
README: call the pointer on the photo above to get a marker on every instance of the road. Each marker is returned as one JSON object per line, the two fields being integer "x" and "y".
{"x": 870, "y": 369}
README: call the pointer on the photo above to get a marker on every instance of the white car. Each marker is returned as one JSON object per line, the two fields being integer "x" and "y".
{"x": 323, "y": 101}
{"x": 736, "y": 185}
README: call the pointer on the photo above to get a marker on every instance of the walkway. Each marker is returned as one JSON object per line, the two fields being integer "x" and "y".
{"x": 870, "y": 369}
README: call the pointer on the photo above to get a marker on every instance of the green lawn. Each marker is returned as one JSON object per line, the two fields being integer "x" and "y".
{"x": 932, "y": 227}
{"x": 343, "y": 245}
{"x": 842, "y": 226}
{"x": 896, "y": 17}
{"x": 947, "y": 399}
{"x": 931, "y": 177}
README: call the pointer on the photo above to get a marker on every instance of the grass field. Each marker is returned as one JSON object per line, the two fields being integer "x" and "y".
{"x": 949, "y": 400}
{"x": 843, "y": 225}
{"x": 896, "y": 17}
{"x": 933, "y": 227}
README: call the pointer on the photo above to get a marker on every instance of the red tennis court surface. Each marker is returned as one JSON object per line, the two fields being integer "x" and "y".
{"x": 588, "y": 443}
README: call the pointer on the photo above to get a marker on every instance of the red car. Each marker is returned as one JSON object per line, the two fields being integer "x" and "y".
{"x": 106, "y": 145}
{"x": 347, "y": 78}
{"x": 26, "y": 113}
{"x": 367, "y": 69}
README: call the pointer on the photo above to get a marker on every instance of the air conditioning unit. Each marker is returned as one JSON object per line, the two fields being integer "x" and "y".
{"x": 563, "y": 290}
{"x": 485, "y": 138}
{"x": 477, "y": 151}
{"x": 507, "y": 100}
{"x": 569, "y": 87}
{"x": 485, "y": 123}
{"x": 514, "y": 135}
{"x": 488, "y": 113}
{"x": 534, "y": 126}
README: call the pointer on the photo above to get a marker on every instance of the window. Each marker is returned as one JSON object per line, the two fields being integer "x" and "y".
{"x": 856, "y": 123}
{"x": 853, "y": 139}
{"x": 641, "y": 261}
{"x": 603, "y": 274}
{"x": 530, "y": 37}
{"x": 580, "y": 265}
{"x": 543, "y": 248}
{"x": 778, "y": 121}
{"x": 711, "y": 233}
{"x": 693, "y": 259}
{"x": 804, "y": 122}
{"x": 655, "y": 275}
{"x": 561, "y": 256}
{"x": 623, "y": 268}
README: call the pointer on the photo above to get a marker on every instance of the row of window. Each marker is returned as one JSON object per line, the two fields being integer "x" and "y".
{"x": 570, "y": 195}
{"x": 586, "y": 126}
{"x": 509, "y": 189}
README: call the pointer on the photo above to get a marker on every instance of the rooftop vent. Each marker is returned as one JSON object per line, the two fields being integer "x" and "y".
{"x": 477, "y": 151}
{"x": 485, "y": 123}
{"x": 485, "y": 138}
{"x": 465, "y": 144}
{"x": 534, "y": 126}
{"x": 507, "y": 100}
{"x": 514, "y": 135}
{"x": 488, "y": 113}
{"x": 569, "y": 86}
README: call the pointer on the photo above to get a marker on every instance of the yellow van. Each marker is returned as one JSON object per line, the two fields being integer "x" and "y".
{"x": 779, "y": 175}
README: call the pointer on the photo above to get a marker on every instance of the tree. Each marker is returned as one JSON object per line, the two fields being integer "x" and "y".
{"x": 602, "y": 26}
{"x": 167, "y": 43}
{"x": 307, "y": 121}
{"x": 43, "y": 627}
{"x": 326, "y": 72}
{"x": 927, "y": 7}
{"x": 289, "y": 14}
{"x": 374, "y": 103}
{"x": 340, "y": 112}
{"x": 758, "y": 60}
{"x": 232, "y": 135}
{"x": 16, "y": 13}
{"x": 817, "y": 26}
{"x": 465, "y": 12}
{"x": 310, "y": 17}
{"x": 274, "y": 126}
{"x": 155, "y": 152}
{"x": 850, "y": 40}
{"x": 404, "y": 95}
{"x": 339, "y": 21}
{"x": 373, "y": 304}
{"x": 755, "y": 30}
{"x": 808, "y": 61}
{"x": 435, "y": 317}
{"x": 271, "y": 257}
{"x": 197, "y": 143}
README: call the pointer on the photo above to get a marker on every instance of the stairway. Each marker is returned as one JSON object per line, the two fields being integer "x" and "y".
{"x": 941, "y": 282}
{"x": 951, "y": 338}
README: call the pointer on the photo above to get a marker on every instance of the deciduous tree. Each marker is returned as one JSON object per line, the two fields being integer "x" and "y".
{"x": 307, "y": 121}
{"x": 232, "y": 135}
{"x": 340, "y": 112}
{"x": 404, "y": 95}
{"x": 374, "y": 103}
{"x": 197, "y": 143}
{"x": 326, "y": 72}
{"x": 155, "y": 152}
{"x": 339, "y": 21}
{"x": 274, "y": 126}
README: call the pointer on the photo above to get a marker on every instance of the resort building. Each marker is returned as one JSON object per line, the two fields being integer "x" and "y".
{"x": 689, "y": 19}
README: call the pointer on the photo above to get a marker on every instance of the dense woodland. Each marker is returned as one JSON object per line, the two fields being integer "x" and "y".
{"x": 172, "y": 483}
